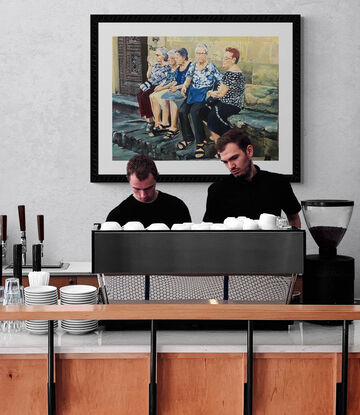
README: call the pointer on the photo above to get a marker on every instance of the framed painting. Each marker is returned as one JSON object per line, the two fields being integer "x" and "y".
{"x": 169, "y": 86}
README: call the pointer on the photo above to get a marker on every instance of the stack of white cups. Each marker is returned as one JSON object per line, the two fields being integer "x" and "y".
{"x": 37, "y": 278}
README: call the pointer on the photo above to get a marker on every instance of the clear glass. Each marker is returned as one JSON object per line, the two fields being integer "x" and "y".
{"x": 13, "y": 295}
{"x": 327, "y": 224}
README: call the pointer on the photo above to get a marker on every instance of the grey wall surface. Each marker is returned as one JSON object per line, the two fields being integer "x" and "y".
{"x": 45, "y": 113}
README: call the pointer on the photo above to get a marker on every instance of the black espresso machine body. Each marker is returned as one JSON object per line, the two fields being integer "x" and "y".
{"x": 198, "y": 253}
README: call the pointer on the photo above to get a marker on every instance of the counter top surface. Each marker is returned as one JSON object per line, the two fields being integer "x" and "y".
{"x": 301, "y": 337}
{"x": 71, "y": 268}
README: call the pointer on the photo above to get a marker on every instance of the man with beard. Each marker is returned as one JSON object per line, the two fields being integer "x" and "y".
{"x": 248, "y": 191}
{"x": 146, "y": 204}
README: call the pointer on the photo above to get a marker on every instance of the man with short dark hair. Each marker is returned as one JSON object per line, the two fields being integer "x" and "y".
{"x": 248, "y": 191}
{"x": 148, "y": 205}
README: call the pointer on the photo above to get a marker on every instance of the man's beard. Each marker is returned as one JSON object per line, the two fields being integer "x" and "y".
{"x": 246, "y": 173}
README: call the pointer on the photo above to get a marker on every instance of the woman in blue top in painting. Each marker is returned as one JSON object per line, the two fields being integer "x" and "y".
{"x": 173, "y": 97}
{"x": 161, "y": 112}
{"x": 155, "y": 74}
{"x": 200, "y": 78}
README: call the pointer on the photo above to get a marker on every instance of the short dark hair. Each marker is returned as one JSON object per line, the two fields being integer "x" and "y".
{"x": 235, "y": 53}
{"x": 235, "y": 135}
{"x": 142, "y": 166}
{"x": 183, "y": 53}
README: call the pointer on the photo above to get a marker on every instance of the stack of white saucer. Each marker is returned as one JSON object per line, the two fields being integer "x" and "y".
{"x": 40, "y": 295}
{"x": 75, "y": 295}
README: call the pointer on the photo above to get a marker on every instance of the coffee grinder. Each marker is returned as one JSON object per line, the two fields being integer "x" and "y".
{"x": 328, "y": 278}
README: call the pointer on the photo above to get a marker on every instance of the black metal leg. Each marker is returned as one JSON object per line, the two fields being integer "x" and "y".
{"x": 226, "y": 287}
{"x": 249, "y": 387}
{"x": 147, "y": 287}
{"x": 51, "y": 383}
{"x": 344, "y": 367}
{"x": 152, "y": 385}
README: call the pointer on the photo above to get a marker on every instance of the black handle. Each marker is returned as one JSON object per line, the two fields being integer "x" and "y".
{"x": 17, "y": 258}
{"x": 3, "y": 227}
{"x": 40, "y": 224}
{"x": 36, "y": 257}
{"x": 21, "y": 209}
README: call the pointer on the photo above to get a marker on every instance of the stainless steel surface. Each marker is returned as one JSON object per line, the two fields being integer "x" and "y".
{"x": 60, "y": 265}
{"x": 198, "y": 252}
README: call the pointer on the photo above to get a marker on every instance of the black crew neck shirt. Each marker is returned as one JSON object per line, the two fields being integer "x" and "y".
{"x": 165, "y": 209}
{"x": 266, "y": 193}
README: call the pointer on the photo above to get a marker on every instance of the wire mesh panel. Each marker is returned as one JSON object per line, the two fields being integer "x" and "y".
{"x": 261, "y": 288}
{"x": 125, "y": 287}
{"x": 246, "y": 288}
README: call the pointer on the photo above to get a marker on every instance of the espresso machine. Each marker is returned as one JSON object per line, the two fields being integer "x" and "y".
{"x": 328, "y": 278}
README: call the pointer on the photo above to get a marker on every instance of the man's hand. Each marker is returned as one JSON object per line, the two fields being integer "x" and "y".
{"x": 294, "y": 220}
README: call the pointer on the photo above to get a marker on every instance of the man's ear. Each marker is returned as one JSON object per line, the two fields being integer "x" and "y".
{"x": 250, "y": 150}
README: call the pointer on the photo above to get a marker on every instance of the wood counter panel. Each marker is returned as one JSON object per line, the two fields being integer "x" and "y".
{"x": 200, "y": 384}
{"x": 302, "y": 385}
{"x": 23, "y": 387}
{"x": 103, "y": 386}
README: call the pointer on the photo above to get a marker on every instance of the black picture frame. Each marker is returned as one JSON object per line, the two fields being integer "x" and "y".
{"x": 293, "y": 26}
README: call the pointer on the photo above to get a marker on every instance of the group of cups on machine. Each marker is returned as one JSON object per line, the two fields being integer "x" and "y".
{"x": 266, "y": 221}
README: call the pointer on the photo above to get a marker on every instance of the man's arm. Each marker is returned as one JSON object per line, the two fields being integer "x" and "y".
{"x": 294, "y": 220}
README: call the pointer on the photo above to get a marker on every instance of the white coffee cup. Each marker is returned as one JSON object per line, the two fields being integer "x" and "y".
{"x": 250, "y": 224}
{"x": 267, "y": 221}
{"x": 233, "y": 223}
{"x": 158, "y": 227}
{"x": 200, "y": 226}
{"x": 133, "y": 226}
{"x": 219, "y": 227}
{"x": 110, "y": 226}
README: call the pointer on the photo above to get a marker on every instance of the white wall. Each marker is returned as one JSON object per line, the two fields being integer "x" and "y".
{"x": 45, "y": 113}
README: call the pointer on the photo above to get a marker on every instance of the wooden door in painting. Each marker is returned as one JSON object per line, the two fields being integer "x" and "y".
{"x": 132, "y": 63}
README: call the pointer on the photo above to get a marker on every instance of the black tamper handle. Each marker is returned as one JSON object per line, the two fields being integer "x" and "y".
{"x": 3, "y": 223}
{"x": 17, "y": 258}
{"x": 36, "y": 257}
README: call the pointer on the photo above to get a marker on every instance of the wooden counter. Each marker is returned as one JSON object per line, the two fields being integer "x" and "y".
{"x": 295, "y": 372}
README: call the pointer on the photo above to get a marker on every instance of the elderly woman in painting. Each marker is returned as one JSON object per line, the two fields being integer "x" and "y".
{"x": 228, "y": 99}
{"x": 173, "y": 98}
{"x": 200, "y": 78}
{"x": 155, "y": 75}
{"x": 161, "y": 112}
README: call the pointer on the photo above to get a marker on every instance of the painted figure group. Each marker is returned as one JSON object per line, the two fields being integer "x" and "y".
{"x": 180, "y": 90}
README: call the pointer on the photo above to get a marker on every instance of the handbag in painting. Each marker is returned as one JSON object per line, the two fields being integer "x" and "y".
{"x": 145, "y": 86}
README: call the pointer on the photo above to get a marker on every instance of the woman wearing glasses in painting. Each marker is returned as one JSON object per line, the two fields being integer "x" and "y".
{"x": 228, "y": 99}
{"x": 173, "y": 98}
{"x": 200, "y": 78}
{"x": 155, "y": 75}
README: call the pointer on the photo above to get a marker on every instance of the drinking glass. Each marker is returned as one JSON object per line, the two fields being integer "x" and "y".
{"x": 12, "y": 296}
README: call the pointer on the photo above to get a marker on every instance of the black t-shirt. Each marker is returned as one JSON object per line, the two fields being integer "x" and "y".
{"x": 266, "y": 193}
{"x": 165, "y": 209}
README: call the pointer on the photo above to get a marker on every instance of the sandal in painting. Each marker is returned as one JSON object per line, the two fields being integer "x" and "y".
{"x": 155, "y": 131}
{"x": 200, "y": 152}
{"x": 149, "y": 126}
{"x": 183, "y": 145}
{"x": 171, "y": 134}
{"x": 165, "y": 127}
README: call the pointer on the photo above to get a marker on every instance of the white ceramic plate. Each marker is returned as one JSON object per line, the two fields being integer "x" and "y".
{"x": 40, "y": 289}
{"x": 78, "y": 289}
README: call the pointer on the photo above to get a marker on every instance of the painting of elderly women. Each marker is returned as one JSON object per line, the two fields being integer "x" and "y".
{"x": 173, "y": 97}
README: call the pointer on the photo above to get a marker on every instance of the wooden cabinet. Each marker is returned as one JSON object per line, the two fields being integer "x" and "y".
{"x": 188, "y": 383}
